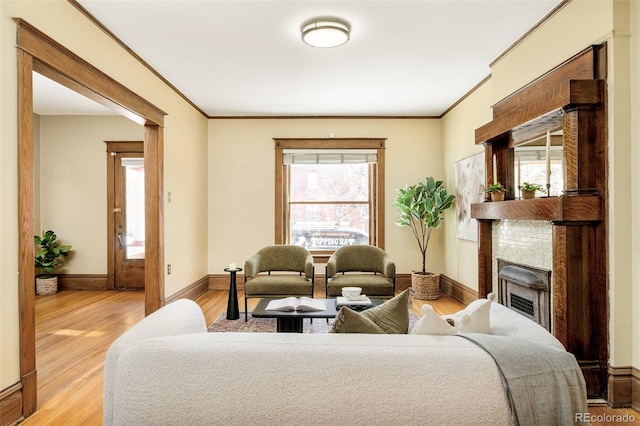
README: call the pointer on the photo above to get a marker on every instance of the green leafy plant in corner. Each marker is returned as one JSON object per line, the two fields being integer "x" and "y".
{"x": 496, "y": 187}
{"x": 526, "y": 186}
{"x": 421, "y": 208}
{"x": 49, "y": 252}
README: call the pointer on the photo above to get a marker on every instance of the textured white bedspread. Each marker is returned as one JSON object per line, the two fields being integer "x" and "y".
{"x": 310, "y": 379}
{"x": 167, "y": 370}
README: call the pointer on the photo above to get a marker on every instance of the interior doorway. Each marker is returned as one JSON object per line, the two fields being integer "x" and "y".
{"x": 126, "y": 224}
{"x": 38, "y": 52}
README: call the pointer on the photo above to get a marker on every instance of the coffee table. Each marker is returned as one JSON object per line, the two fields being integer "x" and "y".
{"x": 291, "y": 321}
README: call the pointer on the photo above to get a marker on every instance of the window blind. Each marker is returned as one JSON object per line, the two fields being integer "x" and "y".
{"x": 130, "y": 161}
{"x": 329, "y": 156}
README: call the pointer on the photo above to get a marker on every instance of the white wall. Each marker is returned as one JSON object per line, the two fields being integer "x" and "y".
{"x": 242, "y": 181}
{"x": 73, "y": 184}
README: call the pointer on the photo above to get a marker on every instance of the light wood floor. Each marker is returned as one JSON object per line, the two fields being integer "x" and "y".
{"x": 75, "y": 329}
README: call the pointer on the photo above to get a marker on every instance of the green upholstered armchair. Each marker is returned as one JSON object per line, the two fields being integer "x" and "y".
{"x": 278, "y": 271}
{"x": 363, "y": 266}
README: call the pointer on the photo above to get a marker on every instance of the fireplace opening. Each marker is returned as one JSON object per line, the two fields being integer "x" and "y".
{"x": 526, "y": 290}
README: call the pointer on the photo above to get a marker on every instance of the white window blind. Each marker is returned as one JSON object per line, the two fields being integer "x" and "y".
{"x": 130, "y": 161}
{"x": 329, "y": 156}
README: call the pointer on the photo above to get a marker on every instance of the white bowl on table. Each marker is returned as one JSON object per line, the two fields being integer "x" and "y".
{"x": 351, "y": 292}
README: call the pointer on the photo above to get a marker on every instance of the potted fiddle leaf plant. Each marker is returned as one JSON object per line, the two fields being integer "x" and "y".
{"x": 496, "y": 191}
{"x": 421, "y": 208}
{"x": 49, "y": 252}
{"x": 529, "y": 190}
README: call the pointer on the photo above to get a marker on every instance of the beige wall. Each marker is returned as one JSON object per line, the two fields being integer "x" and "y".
{"x": 458, "y": 130}
{"x": 73, "y": 184}
{"x": 185, "y": 151}
{"x": 634, "y": 19}
{"x": 241, "y": 181}
{"x": 590, "y": 22}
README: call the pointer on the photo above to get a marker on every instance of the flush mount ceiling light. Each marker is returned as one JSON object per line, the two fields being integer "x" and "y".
{"x": 325, "y": 32}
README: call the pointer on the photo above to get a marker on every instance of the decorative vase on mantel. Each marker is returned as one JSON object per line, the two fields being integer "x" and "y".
{"x": 497, "y": 196}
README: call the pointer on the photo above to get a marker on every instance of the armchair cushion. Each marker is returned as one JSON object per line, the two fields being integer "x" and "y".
{"x": 372, "y": 285}
{"x": 293, "y": 267}
{"x": 360, "y": 258}
{"x": 363, "y": 266}
{"x": 278, "y": 285}
{"x": 280, "y": 258}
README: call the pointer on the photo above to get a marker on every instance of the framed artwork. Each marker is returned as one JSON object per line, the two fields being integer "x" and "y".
{"x": 469, "y": 190}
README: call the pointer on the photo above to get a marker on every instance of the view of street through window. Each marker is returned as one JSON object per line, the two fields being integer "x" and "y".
{"x": 329, "y": 205}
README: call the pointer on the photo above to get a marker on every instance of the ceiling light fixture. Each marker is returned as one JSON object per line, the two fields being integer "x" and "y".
{"x": 325, "y": 32}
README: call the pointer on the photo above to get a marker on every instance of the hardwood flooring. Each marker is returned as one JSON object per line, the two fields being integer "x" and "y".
{"x": 74, "y": 329}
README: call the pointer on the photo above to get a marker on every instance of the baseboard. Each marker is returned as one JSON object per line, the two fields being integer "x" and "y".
{"x": 191, "y": 291}
{"x": 82, "y": 282}
{"x": 403, "y": 282}
{"x": 221, "y": 281}
{"x": 624, "y": 387}
{"x": 635, "y": 389}
{"x": 11, "y": 405}
{"x": 620, "y": 386}
{"x": 458, "y": 291}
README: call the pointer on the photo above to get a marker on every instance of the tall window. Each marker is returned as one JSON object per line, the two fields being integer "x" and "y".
{"x": 329, "y": 193}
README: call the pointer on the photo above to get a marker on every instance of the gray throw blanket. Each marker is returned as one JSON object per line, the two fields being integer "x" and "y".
{"x": 544, "y": 385}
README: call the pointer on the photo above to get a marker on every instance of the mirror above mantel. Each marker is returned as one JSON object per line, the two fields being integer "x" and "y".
{"x": 540, "y": 161}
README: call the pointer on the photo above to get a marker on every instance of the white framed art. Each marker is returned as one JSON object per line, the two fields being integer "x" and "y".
{"x": 469, "y": 190}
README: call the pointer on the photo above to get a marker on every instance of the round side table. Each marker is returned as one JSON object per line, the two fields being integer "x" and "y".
{"x": 232, "y": 305}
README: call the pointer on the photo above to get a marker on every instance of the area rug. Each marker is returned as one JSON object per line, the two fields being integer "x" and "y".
{"x": 268, "y": 325}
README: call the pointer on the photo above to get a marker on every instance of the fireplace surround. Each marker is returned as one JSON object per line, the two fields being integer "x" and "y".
{"x": 578, "y": 217}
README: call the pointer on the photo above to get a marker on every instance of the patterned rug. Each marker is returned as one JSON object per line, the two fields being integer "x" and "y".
{"x": 268, "y": 325}
{"x": 263, "y": 325}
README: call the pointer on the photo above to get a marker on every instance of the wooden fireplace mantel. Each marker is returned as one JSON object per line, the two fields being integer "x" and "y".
{"x": 581, "y": 208}
{"x": 571, "y": 97}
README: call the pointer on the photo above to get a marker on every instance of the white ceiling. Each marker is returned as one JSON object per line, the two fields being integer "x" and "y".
{"x": 246, "y": 58}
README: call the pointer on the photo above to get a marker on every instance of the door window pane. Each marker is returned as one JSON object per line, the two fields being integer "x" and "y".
{"x": 135, "y": 237}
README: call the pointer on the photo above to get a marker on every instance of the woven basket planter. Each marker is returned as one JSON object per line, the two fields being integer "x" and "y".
{"x": 46, "y": 286}
{"x": 425, "y": 287}
{"x": 497, "y": 196}
{"x": 528, "y": 194}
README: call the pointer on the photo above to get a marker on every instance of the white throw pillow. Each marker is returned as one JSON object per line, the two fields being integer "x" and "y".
{"x": 432, "y": 323}
{"x": 474, "y": 318}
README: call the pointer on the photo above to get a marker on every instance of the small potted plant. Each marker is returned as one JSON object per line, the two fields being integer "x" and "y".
{"x": 529, "y": 190}
{"x": 47, "y": 258}
{"x": 421, "y": 208}
{"x": 496, "y": 191}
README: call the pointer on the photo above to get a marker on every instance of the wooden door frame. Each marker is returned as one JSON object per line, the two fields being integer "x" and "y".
{"x": 38, "y": 52}
{"x": 114, "y": 147}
